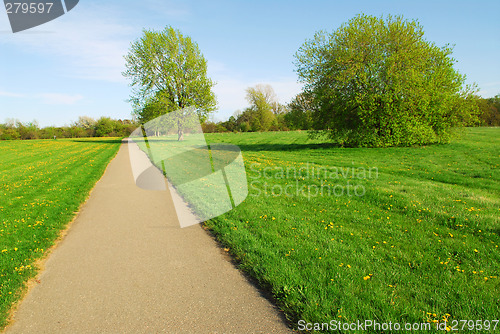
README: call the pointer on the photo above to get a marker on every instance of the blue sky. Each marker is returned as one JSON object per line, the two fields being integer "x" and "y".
{"x": 72, "y": 66}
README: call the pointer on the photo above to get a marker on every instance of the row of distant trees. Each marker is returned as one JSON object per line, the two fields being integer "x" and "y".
{"x": 265, "y": 113}
{"x": 84, "y": 127}
{"x": 489, "y": 111}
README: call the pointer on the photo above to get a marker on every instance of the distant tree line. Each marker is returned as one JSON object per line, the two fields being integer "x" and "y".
{"x": 84, "y": 127}
{"x": 265, "y": 113}
{"x": 489, "y": 111}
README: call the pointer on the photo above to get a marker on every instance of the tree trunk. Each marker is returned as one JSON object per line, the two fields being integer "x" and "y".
{"x": 180, "y": 134}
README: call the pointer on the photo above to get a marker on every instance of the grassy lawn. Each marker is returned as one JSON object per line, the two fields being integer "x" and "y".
{"x": 396, "y": 234}
{"x": 42, "y": 184}
{"x": 405, "y": 234}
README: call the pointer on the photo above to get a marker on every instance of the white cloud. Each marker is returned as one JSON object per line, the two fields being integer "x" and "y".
{"x": 286, "y": 90}
{"x": 89, "y": 42}
{"x": 54, "y": 98}
{"x": 46, "y": 98}
{"x": 490, "y": 89}
{"x": 10, "y": 94}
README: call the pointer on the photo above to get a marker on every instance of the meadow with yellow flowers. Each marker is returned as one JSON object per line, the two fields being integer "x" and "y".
{"x": 408, "y": 235}
{"x": 42, "y": 184}
{"x": 418, "y": 242}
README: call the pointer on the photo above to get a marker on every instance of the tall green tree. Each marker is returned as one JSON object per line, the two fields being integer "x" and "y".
{"x": 85, "y": 122}
{"x": 300, "y": 113}
{"x": 263, "y": 103}
{"x": 168, "y": 72}
{"x": 104, "y": 126}
{"x": 379, "y": 82}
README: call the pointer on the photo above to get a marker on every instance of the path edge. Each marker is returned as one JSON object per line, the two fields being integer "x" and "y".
{"x": 40, "y": 263}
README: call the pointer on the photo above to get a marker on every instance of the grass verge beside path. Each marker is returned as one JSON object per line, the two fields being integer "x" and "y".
{"x": 42, "y": 185}
{"x": 421, "y": 245}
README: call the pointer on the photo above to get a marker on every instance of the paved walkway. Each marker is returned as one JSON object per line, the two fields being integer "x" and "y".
{"x": 126, "y": 266}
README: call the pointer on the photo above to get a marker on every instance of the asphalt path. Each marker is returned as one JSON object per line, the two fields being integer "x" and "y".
{"x": 126, "y": 266}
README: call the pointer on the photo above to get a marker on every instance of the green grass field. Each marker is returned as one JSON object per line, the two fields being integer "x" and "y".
{"x": 396, "y": 234}
{"x": 42, "y": 184}
{"x": 407, "y": 235}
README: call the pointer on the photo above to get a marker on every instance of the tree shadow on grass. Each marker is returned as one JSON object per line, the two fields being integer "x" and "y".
{"x": 99, "y": 141}
{"x": 255, "y": 147}
{"x": 495, "y": 231}
{"x": 285, "y": 147}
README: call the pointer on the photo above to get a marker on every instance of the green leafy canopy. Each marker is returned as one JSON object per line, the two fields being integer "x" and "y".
{"x": 168, "y": 72}
{"x": 378, "y": 82}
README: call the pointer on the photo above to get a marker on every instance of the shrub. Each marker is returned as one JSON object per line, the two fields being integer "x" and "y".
{"x": 376, "y": 82}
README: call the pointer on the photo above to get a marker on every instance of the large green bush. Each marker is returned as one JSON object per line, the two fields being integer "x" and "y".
{"x": 378, "y": 82}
